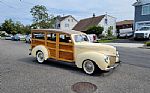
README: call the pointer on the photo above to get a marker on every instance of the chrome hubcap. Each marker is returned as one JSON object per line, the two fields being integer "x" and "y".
{"x": 40, "y": 57}
{"x": 89, "y": 67}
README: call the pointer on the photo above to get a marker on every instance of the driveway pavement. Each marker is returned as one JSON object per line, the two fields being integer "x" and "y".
{"x": 19, "y": 73}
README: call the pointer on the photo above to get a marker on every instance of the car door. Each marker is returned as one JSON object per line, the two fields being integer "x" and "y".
{"x": 52, "y": 45}
{"x": 66, "y": 50}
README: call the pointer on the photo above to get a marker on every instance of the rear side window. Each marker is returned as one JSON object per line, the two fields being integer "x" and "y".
{"x": 64, "y": 38}
{"x": 51, "y": 36}
{"x": 38, "y": 36}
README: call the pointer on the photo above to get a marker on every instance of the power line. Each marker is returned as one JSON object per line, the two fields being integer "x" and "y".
{"x": 2, "y": 2}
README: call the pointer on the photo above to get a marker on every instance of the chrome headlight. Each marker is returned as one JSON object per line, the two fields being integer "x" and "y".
{"x": 106, "y": 58}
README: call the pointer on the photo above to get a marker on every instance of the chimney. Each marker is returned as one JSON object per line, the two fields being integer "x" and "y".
{"x": 93, "y": 14}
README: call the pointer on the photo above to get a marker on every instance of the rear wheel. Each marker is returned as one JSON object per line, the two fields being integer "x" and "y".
{"x": 40, "y": 57}
{"x": 89, "y": 67}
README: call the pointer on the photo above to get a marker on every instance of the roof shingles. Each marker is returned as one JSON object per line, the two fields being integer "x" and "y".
{"x": 84, "y": 24}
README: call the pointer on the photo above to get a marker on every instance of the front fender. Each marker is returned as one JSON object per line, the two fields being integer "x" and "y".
{"x": 98, "y": 58}
{"x": 40, "y": 48}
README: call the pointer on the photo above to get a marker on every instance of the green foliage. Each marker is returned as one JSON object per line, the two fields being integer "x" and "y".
{"x": 95, "y": 30}
{"x": 147, "y": 43}
{"x": 12, "y": 27}
{"x": 2, "y": 34}
{"x": 8, "y": 26}
{"x": 41, "y": 19}
{"x": 104, "y": 41}
{"x": 109, "y": 38}
{"x": 110, "y": 31}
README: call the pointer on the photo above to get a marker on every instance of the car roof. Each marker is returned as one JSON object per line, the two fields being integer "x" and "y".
{"x": 58, "y": 30}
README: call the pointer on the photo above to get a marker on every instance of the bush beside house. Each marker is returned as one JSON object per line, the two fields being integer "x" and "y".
{"x": 147, "y": 44}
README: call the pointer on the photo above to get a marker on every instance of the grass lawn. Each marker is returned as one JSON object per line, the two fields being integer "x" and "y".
{"x": 105, "y": 41}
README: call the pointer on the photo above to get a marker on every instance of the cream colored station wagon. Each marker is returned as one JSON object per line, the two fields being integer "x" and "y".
{"x": 75, "y": 47}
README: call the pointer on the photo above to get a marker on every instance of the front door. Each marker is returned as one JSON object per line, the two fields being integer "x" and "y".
{"x": 51, "y": 44}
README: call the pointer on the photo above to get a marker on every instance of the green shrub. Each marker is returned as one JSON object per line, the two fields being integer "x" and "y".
{"x": 95, "y": 30}
{"x": 109, "y": 38}
{"x": 147, "y": 43}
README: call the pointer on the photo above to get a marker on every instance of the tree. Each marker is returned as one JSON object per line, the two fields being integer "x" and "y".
{"x": 12, "y": 27}
{"x": 41, "y": 19}
{"x": 110, "y": 31}
{"x": 26, "y": 29}
{"x": 18, "y": 27}
{"x": 95, "y": 30}
{"x": 8, "y": 26}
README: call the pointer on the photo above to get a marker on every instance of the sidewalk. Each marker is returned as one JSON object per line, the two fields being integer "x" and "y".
{"x": 130, "y": 45}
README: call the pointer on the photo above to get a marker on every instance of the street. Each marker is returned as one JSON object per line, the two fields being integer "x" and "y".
{"x": 19, "y": 72}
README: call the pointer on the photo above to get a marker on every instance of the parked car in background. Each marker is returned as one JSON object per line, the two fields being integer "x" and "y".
{"x": 92, "y": 37}
{"x": 28, "y": 38}
{"x": 16, "y": 37}
{"x": 126, "y": 35}
{"x": 142, "y": 33}
{"x": 22, "y": 37}
{"x": 9, "y": 37}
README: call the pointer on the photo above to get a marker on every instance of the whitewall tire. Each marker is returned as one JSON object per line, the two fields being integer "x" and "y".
{"x": 40, "y": 57}
{"x": 89, "y": 67}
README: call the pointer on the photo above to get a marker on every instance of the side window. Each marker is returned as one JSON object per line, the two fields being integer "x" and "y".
{"x": 51, "y": 36}
{"x": 66, "y": 25}
{"x": 38, "y": 36}
{"x": 64, "y": 38}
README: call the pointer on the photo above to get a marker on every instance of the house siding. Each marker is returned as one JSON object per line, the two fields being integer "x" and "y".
{"x": 139, "y": 19}
{"x": 62, "y": 24}
{"x": 111, "y": 21}
{"x": 139, "y": 16}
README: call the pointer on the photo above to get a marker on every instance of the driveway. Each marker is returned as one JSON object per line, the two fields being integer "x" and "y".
{"x": 20, "y": 73}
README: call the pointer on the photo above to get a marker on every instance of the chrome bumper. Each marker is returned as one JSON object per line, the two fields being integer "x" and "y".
{"x": 114, "y": 66}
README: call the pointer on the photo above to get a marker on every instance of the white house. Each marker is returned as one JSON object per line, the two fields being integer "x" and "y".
{"x": 105, "y": 21}
{"x": 65, "y": 23}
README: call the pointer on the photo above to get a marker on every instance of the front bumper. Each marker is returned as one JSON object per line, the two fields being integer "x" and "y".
{"x": 113, "y": 66}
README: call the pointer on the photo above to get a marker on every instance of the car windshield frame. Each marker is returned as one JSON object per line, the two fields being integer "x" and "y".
{"x": 81, "y": 38}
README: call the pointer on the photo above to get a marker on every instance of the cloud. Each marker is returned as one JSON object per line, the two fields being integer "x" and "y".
{"x": 20, "y": 10}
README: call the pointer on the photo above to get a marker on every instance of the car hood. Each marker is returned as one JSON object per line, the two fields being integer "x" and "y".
{"x": 97, "y": 47}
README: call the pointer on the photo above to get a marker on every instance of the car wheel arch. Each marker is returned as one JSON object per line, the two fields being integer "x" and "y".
{"x": 90, "y": 56}
{"x": 42, "y": 49}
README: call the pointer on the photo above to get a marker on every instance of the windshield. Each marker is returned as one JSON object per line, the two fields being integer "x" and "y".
{"x": 81, "y": 38}
{"x": 144, "y": 28}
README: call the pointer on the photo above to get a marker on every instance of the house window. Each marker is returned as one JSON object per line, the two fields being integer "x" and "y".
{"x": 145, "y": 9}
{"x": 66, "y": 25}
{"x": 68, "y": 20}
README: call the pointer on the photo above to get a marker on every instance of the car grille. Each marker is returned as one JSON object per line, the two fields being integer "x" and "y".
{"x": 139, "y": 35}
{"x": 112, "y": 60}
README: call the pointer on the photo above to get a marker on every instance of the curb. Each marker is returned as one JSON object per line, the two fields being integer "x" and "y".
{"x": 145, "y": 47}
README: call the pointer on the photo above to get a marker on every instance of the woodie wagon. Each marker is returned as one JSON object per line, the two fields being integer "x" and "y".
{"x": 74, "y": 47}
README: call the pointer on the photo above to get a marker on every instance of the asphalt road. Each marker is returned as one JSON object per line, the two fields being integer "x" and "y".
{"x": 19, "y": 73}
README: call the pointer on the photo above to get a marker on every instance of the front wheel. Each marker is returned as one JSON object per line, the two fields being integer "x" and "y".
{"x": 40, "y": 57}
{"x": 89, "y": 67}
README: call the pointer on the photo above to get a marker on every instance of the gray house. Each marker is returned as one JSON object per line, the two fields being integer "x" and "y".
{"x": 142, "y": 14}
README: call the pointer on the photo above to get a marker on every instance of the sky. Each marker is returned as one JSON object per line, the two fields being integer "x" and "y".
{"x": 19, "y": 10}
